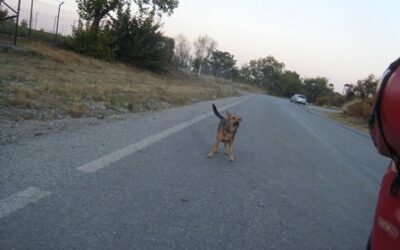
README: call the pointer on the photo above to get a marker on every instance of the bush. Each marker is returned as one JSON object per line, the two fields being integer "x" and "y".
{"x": 140, "y": 41}
{"x": 333, "y": 101}
{"x": 361, "y": 109}
{"x": 93, "y": 43}
{"x": 135, "y": 40}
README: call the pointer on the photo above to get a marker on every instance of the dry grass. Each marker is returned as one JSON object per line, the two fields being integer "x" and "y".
{"x": 355, "y": 114}
{"x": 361, "y": 109}
{"x": 57, "y": 83}
{"x": 351, "y": 121}
{"x": 77, "y": 110}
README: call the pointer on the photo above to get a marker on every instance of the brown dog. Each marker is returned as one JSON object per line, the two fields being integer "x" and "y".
{"x": 226, "y": 132}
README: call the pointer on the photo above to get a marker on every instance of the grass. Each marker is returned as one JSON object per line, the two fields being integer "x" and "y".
{"x": 55, "y": 83}
{"x": 351, "y": 121}
{"x": 356, "y": 113}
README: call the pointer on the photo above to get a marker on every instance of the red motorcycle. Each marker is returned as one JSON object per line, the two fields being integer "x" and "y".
{"x": 385, "y": 132}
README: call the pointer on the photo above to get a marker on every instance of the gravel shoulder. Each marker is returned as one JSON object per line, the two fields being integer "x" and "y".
{"x": 13, "y": 132}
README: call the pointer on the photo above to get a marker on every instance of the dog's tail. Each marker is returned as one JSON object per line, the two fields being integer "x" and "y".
{"x": 217, "y": 113}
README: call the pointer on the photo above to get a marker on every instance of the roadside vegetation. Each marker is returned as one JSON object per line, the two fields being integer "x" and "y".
{"x": 360, "y": 100}
{"x": 117, "y": 58}
{"x": 108, "y": 65}
{"x": 44, "y": 82}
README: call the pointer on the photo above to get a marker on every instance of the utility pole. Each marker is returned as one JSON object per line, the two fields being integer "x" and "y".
{"x": 36, "y": 19}
{"x": 16, "y": 24}
{"x": 58, "y": 18}
{"x": 54, "y": 24}
{"x": 30, "y": 19}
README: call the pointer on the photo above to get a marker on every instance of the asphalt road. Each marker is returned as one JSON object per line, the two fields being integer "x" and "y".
{"x": 300, "y": 181}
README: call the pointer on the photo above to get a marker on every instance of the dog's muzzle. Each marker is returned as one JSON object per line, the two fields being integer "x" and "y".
{"x": 236, "y": 124}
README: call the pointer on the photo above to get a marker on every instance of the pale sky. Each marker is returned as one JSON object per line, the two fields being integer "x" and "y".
{"x": 342, "y": 40}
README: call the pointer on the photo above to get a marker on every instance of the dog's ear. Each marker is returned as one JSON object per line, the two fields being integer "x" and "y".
{"x": 228, "y": 114}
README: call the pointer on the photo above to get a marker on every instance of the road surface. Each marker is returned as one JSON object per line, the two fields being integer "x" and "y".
{"x": 300, "y": 181}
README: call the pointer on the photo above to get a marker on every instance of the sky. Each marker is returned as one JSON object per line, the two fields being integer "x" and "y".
{"x": 342, "y": 40}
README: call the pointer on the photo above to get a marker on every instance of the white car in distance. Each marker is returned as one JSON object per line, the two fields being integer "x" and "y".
{"x": 300, "y": 99}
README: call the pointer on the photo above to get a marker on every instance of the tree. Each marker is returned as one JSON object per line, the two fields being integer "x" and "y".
{"x": 265, "y": 72}
{"x": 157, "y": 6}
{"x": 182, "y": 49}
{"x": 222, "y": 64}
{"x": 270, "y": 70}
{"x": 366, "y": 87}
{"x": 100, "y": 44}
{"x": 363, "y": 88}
{"x": 139, "y": 41}
{"x": 290, "y": 83}
{"x": 316, "y": 88}
{"x": 94, "y": 11}
{"x": 131, "y": 39}
{"x": 204, "y": 46}
{"x": 24, "y": 23}
{"x": 349, "y": 91}
{"x": 244, "y": 73}
{"x": 3, "y": 14}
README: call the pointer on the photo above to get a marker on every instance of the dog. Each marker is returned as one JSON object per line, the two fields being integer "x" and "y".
{"x": 226, "y": 132}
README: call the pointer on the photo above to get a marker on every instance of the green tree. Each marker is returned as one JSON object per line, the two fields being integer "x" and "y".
{"x": 99, "y": 44}
{"x": 3, "y": 13}
{"x": 24, "y": 23}
{"x": 366, "y": 87}
{"x": 349, "y": 91}
{"x": 316, "y": 88}
{"x": 290, "y": 83}
{"x": 94, "y": 11}
{"x": 222, "y": 64}
{"x": 265, "y": 72}
{"x": 139, "y": 41}
{"x": 245, "y": 74}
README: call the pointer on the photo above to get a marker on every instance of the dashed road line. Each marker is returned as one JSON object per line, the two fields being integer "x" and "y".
{"x": 20, "y": 200}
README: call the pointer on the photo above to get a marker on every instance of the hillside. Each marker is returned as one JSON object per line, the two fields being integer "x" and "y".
{"x": 42, "y": 82}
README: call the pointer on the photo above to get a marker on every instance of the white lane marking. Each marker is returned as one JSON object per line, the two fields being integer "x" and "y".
{"x": 20, "y": 200}
{"x": 132, "y": 148}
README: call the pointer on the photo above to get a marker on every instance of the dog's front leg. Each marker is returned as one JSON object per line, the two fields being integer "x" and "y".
{"x": 214, "y": 149}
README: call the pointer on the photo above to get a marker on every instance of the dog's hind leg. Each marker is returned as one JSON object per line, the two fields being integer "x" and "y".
{"x": 230, "y": 151}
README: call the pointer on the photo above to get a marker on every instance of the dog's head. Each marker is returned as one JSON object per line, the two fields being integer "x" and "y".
{"x": 233, "y": 121}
